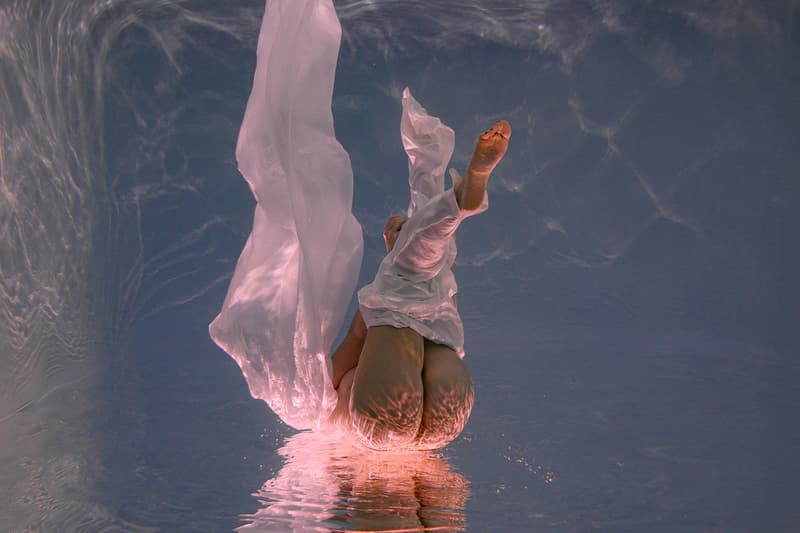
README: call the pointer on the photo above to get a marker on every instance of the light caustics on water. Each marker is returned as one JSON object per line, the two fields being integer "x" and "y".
{"x": 565, "y": 211}
{"x": 77, "y": 268}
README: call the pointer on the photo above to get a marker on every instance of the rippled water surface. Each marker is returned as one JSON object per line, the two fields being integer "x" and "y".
{"x": 630, "y": 299}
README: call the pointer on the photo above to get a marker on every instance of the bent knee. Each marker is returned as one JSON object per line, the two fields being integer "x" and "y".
{"x": 386, "y": 424}
{"x": 381, "y": 433}
{"x": 449, "y": 391}
{"x": 447, "y": 410}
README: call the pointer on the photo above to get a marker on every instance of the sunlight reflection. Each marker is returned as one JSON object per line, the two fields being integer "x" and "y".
{"x": 328, "y": 485}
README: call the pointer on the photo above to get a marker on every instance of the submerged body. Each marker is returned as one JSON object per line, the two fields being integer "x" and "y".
{"x": 397, "y": 380}
{"x": 400, "y": 379}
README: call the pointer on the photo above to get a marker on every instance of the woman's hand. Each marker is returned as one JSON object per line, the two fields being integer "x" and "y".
{"x": 392, "y": 230}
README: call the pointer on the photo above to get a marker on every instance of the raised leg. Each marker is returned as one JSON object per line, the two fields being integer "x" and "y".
{"x": 420, "y": 248}
{"x": 489, "y": 150}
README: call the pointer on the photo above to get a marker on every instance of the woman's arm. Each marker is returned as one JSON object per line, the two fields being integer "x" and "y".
{"x": 346, "y": 355}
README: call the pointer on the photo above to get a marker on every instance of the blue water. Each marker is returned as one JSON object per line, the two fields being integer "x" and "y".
{"x": 629, "y": 299}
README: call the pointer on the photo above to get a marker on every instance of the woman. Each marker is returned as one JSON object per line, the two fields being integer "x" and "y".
{"x": 398, "y": 372}
{"x": 396, "y": 381}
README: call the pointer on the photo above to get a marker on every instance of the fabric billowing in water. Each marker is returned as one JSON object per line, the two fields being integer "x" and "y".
{"x": 415, "y": 284}
{"x": 297, "y": 273}
{"x": 298, "y": 270}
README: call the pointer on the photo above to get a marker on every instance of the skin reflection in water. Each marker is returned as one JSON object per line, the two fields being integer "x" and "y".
{"x": 327, "y": 485}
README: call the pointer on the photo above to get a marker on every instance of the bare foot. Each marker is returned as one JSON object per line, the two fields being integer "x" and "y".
{"x": 489, "y": 150}
{"x": 392, "y": 229}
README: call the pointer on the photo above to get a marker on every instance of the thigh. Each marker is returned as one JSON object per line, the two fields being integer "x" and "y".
{"x": 448, "y": 398}
{"x": 386, "y": 398}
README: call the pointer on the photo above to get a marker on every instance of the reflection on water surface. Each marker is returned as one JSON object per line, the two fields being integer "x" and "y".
{"x": 330, "y": 483}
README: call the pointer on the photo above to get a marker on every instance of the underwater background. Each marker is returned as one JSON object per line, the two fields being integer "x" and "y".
{"x": 630, "y": 298}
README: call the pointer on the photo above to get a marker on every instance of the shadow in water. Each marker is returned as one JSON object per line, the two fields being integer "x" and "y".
{"x": 328, "y": 485}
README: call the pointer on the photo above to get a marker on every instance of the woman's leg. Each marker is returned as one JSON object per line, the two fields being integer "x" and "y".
{"x": 346, "y": 356}
{"x": 489, "y": 150}
{"x": 405, "y": 393}
{"x": 448, "y": 397}
{"x": 386, "y": 399}
{"x": 398, "y": 406}
{"x": 420, "y": 249}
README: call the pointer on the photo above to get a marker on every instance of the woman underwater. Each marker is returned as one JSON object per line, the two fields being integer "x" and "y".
{"x": 396, "y": 381}
{"x": 399, "y": 377}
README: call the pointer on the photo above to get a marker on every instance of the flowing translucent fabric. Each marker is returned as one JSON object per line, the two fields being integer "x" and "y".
{"x": 414, "y": 285}
{"x": 429, "y": 145}
{"x": 297, "y": 273}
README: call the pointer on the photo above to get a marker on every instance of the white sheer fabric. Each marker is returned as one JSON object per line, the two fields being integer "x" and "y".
{"x": 415, "y": 285}
{"x": 297, "y": 273}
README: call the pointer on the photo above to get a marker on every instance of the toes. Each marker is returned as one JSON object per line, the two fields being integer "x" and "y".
{"x": 506, "y": 129}
{"x": 501, "y": 128}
